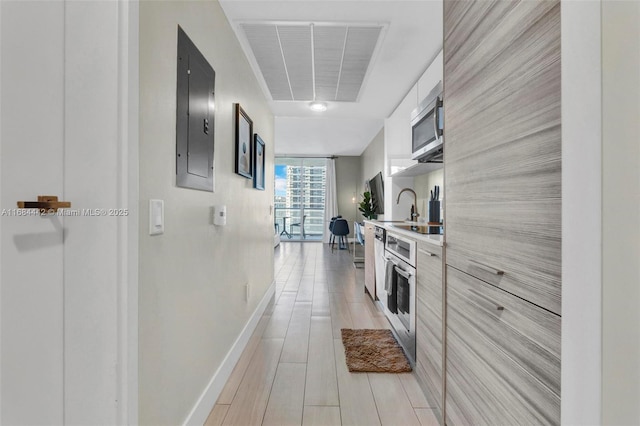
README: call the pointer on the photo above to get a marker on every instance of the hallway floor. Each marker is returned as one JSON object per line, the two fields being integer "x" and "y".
{"x": 293, "y": 369}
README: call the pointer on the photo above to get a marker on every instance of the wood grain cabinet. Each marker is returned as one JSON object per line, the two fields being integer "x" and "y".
{"x": 502, "y": 117}
{"x": 369, "y": 259}
{"x": 503, "y": 357}
{"x": 503, "y": 145}
{"x": 429, "y": 307}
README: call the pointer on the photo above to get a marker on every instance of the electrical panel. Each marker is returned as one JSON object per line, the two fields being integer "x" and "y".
{"x": 194, "y": 117}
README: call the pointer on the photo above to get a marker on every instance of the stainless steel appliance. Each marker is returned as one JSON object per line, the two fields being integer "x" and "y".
{"x": 399, "y": 292}
{"x": 427, "y": 123}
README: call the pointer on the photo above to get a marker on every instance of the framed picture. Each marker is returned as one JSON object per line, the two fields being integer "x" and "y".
{"x": 258, "y": 169}
{"x": 244, "y": 145}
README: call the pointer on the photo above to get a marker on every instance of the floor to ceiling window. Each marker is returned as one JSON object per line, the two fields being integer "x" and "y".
{"x": 300, "y": 198}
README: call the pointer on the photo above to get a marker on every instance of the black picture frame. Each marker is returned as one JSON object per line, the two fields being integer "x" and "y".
{"x": 244, "y": 144}
{"x": 259, "y": 162}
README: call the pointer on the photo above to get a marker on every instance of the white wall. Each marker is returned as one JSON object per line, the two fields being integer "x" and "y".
{"x": 581, "y": 213}
{"x": 371, "y": 163}
{"x": 372, "y": 159}
{"x": 348, "y": 186}
{"x": 423, "y": 185}
{"x": 100, "y": 281}
{"x": 601, "y": 213}
{"x": 620, "y": 212}
{"x": 192, "y": 278}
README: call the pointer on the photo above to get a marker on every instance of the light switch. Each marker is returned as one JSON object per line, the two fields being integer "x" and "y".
{"x": 220, "y": 215}
{"x": 156, "y": 217}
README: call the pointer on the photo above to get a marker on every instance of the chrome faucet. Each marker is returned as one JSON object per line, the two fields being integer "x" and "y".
{"x": 414, "y": 211}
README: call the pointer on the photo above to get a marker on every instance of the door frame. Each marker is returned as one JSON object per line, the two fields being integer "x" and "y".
{"x": 128, "y": 100}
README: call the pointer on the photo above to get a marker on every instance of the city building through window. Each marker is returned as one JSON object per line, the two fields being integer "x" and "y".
{"x": 300, "y": 197}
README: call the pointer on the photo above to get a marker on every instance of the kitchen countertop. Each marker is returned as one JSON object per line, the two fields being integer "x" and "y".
{"x": 393, "y": 226}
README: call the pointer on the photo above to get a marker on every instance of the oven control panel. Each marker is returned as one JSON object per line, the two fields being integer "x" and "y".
{"x": 402, "y": 247}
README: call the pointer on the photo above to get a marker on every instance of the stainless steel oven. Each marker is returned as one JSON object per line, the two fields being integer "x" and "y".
{"x": 399, "y": 298}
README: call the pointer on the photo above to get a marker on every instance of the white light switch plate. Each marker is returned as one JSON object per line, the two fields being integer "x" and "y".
{"x": 156, "y": 217}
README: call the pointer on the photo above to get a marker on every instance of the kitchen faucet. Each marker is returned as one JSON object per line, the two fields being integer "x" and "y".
{"x": 414, "y": 209}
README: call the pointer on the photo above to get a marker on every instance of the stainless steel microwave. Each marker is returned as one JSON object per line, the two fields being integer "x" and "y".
{"x": 427, "y": 128}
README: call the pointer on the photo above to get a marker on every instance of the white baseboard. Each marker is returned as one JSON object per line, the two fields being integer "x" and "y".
{"x": 207, "y": 400}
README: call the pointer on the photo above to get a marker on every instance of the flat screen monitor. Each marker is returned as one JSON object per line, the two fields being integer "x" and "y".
{"x": 376, "y": 187}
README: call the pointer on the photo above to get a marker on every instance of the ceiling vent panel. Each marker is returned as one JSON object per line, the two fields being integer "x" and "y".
{"x": 359, "y": 47}
{"x": 328, "y": 47}
{"x": 305, "y": 62}
{"x": 264, "y": 42}
{"x": 296, "y": 49}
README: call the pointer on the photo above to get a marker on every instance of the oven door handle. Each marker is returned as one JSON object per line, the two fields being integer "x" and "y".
{"x": 388, "y": 259}
{"x": 402, "y": 272}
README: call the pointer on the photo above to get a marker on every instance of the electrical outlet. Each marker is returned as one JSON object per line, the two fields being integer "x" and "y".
{"x": 247, "y": 292}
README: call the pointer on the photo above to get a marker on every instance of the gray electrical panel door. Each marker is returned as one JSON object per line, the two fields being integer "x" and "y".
{"x": 194, "y": 117}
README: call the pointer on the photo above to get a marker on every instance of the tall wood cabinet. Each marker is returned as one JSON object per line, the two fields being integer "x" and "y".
{"x": 503, "y": 206}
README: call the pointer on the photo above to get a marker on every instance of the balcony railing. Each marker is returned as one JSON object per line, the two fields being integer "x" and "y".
{"x": 313, "y": 224}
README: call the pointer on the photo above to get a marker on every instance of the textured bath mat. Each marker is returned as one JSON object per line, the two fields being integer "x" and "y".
{"x": 373, "y": 351}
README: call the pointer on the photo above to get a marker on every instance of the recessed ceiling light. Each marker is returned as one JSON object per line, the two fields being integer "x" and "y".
{"x": 318, "y": 106}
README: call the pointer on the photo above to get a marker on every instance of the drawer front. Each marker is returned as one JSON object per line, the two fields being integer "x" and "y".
{"x": 503, "y": 365}
{"x": 521, "y": 261}
{"x": 429, "y": 342}
{"x": 503, "y": 144}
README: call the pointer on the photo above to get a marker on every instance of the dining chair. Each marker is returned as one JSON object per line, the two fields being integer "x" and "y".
{"x": 333, "y": 219}
{"x": 341, "y": 230}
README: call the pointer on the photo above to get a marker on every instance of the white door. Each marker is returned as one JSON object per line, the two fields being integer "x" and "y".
{"x": 64, "y": 286}
{"x": 31, "y": 298}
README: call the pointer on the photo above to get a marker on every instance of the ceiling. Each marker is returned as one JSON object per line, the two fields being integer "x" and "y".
{"x": 361, "y": 56}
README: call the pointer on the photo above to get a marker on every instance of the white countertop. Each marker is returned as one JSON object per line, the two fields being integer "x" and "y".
{"x": 393, "y": 226}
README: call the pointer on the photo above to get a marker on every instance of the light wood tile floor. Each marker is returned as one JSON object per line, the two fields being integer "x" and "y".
{"x": 293, "y": 371}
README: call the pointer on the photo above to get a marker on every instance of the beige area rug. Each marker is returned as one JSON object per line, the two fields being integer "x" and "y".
{"x": 373, "y": 351}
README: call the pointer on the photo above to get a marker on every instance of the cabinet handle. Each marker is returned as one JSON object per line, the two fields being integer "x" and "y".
{"x": 426, "y": 252}
{"x": 482, "y": 296}
{"x": 486, "y": 268}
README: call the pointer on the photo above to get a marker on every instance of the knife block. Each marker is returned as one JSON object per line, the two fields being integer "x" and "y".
{"x": 434, "y": 216}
